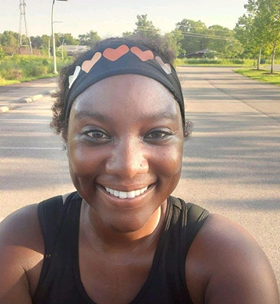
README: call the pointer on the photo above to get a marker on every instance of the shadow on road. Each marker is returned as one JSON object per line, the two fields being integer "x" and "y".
{"x": 242, "y": 149}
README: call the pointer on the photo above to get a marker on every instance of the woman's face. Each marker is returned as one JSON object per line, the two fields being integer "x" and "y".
{"x": 125, "y": 143}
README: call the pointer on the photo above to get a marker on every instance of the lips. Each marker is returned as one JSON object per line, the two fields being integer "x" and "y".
{"x": 124, "y": 194}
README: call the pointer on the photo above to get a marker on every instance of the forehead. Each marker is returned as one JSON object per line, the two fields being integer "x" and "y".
{"x": 127, "y": 95}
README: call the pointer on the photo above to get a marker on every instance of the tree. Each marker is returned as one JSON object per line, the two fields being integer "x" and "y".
{"x": 45, "y": 41}
{"x": 89, "y": 38}
{"x": 36, "y": 42}
{"x": 175, "y": 38}
{"x": 193, "y": 35}
{"x": 242, "y": 32}
{"x": 223, "y": 41}
{"x": 260, "y": 27}
{"x": 68, "y": 39}
{"x": 269, "y": 10}
{"x": 250, "y": 31}
{"x": 9, "y": 40}
{"x": 127, "y": 34}
{"x": 2, "y": 53}
{"x": 145, "y": 27}
{"x": 233, "y": 48}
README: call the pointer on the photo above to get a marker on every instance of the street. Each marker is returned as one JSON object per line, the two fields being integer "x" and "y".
{"x": 231, "y": 164}
{"x": 33, "y": 165}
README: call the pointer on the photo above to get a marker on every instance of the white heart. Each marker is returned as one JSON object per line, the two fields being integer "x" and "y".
{"x": 73, "y": 77}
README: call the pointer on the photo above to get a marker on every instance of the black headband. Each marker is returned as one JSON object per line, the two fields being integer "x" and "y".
{"x": 121, "y": 59}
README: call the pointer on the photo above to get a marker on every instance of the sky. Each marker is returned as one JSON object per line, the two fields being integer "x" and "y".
{"x": 113, "y": 17}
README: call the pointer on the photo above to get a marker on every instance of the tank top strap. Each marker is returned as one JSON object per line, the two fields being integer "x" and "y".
{"x": 185, "y": 221}
{"x": 194, "y": 217}
{"x": 50, "y": 217}
{"x": 52, "y": 214}
{"x": 48, "y": 213}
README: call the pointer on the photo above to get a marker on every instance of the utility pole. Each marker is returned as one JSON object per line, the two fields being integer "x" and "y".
{"x": 23, "y": 24}
{"x": 53, "y": 37}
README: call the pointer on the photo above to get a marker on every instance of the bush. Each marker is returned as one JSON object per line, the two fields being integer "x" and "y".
{"x": 237, "y": 61}
{"x": 21, "y": 67}
{"x": 2, "y": 53}
{"x": 13, "y": 73}
{"x": 45, "y": 62}
{"x": 35, "y": 70}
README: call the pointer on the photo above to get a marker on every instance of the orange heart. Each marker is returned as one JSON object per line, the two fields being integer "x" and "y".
{"x": 88, "y": 64}
{"x": 144, "y": 56}
{"x": 115, "y": 54}
{"x": 165, "y": 66}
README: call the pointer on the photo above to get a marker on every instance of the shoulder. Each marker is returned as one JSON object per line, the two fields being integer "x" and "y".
{"x": 226, "y": 265}
{"x": 21, "y": 250}
{"x": 21, "y": 229}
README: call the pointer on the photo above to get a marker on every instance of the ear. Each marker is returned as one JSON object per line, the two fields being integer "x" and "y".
{"x": 188, "y": 129}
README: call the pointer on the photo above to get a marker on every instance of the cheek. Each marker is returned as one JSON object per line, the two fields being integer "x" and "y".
{"x": 83, "y": 162}
{"x": 170, "y": 161}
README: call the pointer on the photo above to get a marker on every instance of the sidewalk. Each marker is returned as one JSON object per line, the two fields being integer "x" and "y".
{"x": 276, "y": 67}
{"x": 15, "y": 94}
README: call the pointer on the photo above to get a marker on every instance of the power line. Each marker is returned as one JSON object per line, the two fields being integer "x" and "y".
{"x": 196, "y": 35}
{"x": 206, "y": 36}
{"x": 207, "y": 29}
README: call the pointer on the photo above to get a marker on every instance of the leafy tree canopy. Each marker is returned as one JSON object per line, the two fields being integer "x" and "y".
{"x": 89, "y": 38}
{"x": 145, "y": 27}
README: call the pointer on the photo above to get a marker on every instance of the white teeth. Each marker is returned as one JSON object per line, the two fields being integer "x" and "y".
{"x": 131, "y": 194}
{"x": 122, "y": 194}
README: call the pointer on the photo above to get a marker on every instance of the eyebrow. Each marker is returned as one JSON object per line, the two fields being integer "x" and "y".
{"x": 94, "y": 115}
{"x": 103, "y": 118}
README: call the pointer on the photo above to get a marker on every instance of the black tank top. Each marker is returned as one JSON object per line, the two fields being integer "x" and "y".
{"x": 60, "y": 281}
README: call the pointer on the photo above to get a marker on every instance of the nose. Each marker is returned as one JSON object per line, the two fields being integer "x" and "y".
{"x": 127, "y": 159}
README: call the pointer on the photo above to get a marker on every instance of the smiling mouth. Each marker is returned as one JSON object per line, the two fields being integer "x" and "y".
{"x": 123, "y": 194}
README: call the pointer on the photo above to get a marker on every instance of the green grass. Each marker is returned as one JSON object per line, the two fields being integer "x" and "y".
{"x": 4, "y": 82}
{"x": 261, "y": 75}
{"x": 215, "y": 62}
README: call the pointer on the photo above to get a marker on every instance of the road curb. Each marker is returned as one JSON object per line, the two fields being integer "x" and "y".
{"x": 4, "y": 109}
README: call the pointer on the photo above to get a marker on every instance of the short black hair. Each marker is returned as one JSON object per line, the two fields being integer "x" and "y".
{"x": 158, "y": 44}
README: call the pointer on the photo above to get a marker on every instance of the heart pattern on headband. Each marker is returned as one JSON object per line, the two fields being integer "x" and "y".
{"x": 88, "y": 64}
{"x": 143, "y": 55}
{"x": 115, "y": 54}
{"x": 165, "y": 66}
{"x": 73, "y": 77}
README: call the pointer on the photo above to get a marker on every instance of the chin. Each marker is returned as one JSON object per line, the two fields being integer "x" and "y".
{"x": 130, "y": 221}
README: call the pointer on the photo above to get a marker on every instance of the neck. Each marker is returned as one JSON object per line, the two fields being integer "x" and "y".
{"x": 104, "y": 239}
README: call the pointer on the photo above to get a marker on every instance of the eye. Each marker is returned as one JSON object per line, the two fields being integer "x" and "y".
{"x": 96, "y": 135}
{"x": 158, "y": 135}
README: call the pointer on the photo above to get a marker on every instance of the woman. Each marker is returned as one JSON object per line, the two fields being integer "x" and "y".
{"x": 121, "y": 238}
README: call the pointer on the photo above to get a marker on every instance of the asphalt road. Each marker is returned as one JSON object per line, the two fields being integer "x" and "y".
{"x": 231, "y": 164}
